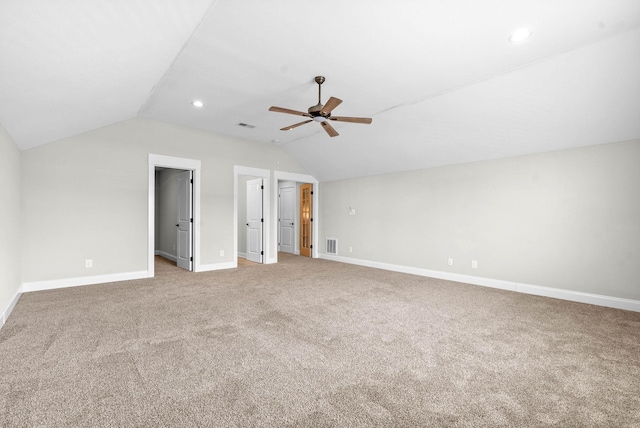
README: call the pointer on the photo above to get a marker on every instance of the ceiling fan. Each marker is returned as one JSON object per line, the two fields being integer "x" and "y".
{"x": 321, "y": 113}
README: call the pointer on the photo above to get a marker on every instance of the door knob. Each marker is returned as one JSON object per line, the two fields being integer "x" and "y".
{"x": 291, "y": 224}
{"x": 177, "y": 225}
{"x": 247, "y": 224}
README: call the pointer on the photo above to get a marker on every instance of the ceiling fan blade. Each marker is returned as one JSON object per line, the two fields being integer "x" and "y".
{"x": 330, "y": 130}
{"x": 331, "y": 104}
{"x": 288, "y": 111}
{"x": 365, "y": 120}
{"x": 287, "y": 128}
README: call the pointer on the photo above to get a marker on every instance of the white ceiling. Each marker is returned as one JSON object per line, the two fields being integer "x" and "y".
{"x": 439, "y": 78}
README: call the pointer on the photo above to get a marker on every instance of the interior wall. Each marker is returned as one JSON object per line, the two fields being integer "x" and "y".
{"x": 566, "y": 219}
{"x": 10, "y": 218}
{"x": 166, "y": 212}
{"x": 86, "y": 196}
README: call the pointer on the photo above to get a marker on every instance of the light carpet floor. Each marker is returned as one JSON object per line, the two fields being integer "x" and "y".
{"x": 314, "y": 343}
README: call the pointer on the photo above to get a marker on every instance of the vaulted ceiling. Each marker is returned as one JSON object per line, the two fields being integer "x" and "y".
{"x": 439, "y": 78}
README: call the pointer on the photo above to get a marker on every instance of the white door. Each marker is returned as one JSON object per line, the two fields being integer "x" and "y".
{"x": 287, "y": 217}
{"x": 185, "y": 220}
{"x": 254, "y": 220}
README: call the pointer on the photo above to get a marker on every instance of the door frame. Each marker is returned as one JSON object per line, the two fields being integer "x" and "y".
{"x": 173, "y": 162}
{"x": 299, "y": 178}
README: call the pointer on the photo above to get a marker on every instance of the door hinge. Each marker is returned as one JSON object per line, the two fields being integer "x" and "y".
{"x": 261, "y": 187}
{"x": 191, "y": 259}
{"x": 191, "y": 220}
{"x": 191, "y": 181}
{"x": 311, "y": 218}
{"x": 262, "y": 253}
{"x": 310, "y": 246}
{"x": 261, "y": 220}
{"x": 312, "y": 192}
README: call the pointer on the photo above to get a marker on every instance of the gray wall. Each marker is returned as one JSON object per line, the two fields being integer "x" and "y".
{"x": 10, "y": 221}
{"x": 567, "y": 219}
{"x": 86, "y": 196}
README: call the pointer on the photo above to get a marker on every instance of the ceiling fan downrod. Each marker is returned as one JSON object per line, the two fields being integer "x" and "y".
{"x": 319, "y": 81}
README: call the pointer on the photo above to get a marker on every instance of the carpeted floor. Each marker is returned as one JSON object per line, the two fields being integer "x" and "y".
{"x": 314, "y": 343}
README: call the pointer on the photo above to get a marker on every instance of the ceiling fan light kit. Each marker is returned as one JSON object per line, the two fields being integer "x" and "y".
{"x": 321, "y": 113}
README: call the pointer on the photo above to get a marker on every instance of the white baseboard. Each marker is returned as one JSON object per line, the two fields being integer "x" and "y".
{"x": 556, "y": 293}
{"x": 243, "y": 255}
{"x": 4, "y": 316}
{"x": 166, "y": 255}
{"x": 101, "y": 279}
{"x": 216, "y": 266}
{"x": 85, "y": 280}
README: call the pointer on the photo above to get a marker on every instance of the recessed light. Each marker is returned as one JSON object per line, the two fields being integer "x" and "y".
{"x": 197, "y": 103}
{"x": 520, "y": 35}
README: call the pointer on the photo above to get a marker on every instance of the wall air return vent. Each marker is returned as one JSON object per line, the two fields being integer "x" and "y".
{"x": 332, "y": 246}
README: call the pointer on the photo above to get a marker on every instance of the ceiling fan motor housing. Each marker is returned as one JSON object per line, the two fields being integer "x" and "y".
{"x": 316, "y": 110}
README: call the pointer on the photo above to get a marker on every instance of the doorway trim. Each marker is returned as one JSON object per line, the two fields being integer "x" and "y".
{"x": 267, "y": 245}
{"x": 299, "y": 178}
{"x": 175, "y": 163}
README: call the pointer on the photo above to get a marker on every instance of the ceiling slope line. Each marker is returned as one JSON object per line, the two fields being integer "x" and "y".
{"x": 177, "y": 56}
{"x": 506, "y": 72}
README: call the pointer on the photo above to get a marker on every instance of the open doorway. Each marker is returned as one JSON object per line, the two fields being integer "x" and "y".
{"x": 295, "y": 218}
{"x": 183, "y": 222}
{"x": 250, "y": 219}
{"x": 174, "y": 216}
{"x": 297, "y": 208}
{"x": 262, "y": 232}
{"x": 288, "y": 206}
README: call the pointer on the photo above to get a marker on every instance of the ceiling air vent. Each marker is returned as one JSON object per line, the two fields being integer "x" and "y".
{"x": 246, "y": 125}
{"x": 332, "y": 246}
